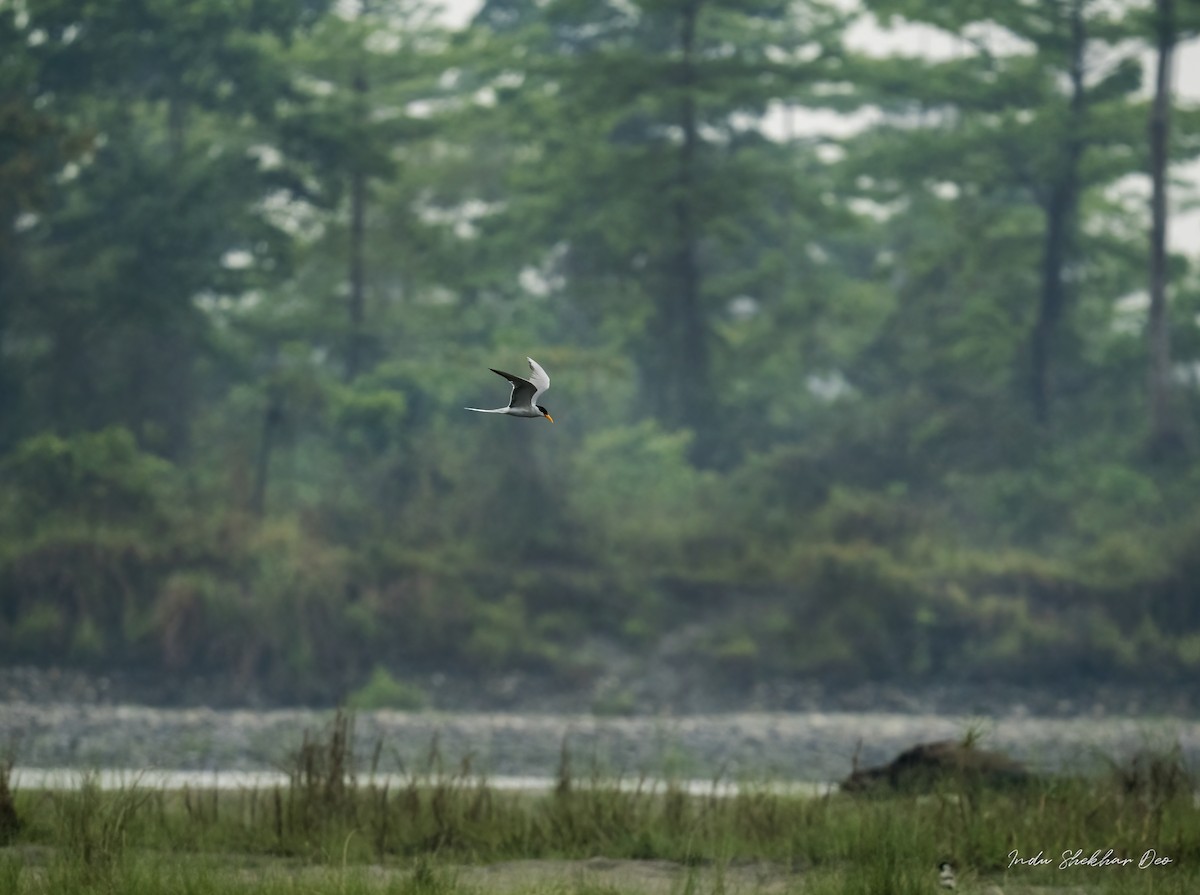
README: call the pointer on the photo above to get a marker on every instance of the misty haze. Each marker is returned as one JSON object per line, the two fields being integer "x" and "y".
{"x": 873, "y": 334}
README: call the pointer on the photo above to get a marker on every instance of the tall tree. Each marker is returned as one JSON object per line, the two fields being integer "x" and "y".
{"x": 645, "y": 171}
{"x": 1164, "y": 432}
{"x": 36, "y": 145}
{"x": 356, "y": 76}
{"x": 1036, "y": 108}
{"x": 159, "y": 217}
{"x": 1058, "y": 197}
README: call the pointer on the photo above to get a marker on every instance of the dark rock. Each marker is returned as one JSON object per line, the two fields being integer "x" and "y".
{"x": 927, "y": 766}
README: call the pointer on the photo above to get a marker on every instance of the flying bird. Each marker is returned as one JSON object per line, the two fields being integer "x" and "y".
{"x": 525, "y": 393}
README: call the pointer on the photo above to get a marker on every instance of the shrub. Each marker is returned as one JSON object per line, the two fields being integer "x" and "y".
{"x": 383, "y": 691}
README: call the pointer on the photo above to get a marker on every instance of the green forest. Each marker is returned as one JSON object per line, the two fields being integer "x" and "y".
{"x": 908, "y": 397}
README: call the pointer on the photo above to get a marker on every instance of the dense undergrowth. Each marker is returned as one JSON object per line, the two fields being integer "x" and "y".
{"x": 370, "y": 836}
{"x": 113, "y": 558}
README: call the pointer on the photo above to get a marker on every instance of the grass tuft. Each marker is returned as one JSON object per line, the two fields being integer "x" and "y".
{"x": 10, "y": 821}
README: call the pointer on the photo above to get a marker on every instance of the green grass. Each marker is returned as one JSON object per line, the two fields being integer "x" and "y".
{"x": 331, "y": 831}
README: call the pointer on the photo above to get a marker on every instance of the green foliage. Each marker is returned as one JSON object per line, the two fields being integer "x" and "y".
{"x": 10, "y": 820}
{"x": 91, "y": 479}
{"x": 369, "y": 422}
{"x": 87, "y": 641}
{"x": 383, "y": 691}
{"x": 255, "y": 255}
{"x": 635, "y": 493}
{"x": 95, "y": 825}
{"x": 87, "y": 521}
{"x": 36, "y": 632}
{"x": 503, "y": 636}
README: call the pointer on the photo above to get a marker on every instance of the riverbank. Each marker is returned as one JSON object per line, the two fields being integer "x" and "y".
{"x": 443, "y": 834}
{"x": 813, "y": 746}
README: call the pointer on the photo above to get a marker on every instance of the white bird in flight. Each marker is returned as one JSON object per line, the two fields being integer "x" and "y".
{"x": 525, "y": 393}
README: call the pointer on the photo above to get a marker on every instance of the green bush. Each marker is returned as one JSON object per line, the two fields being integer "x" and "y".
{"x": 87, "y": 641}
{"x": 638, "y": 497}
{"x": 91, "y": 479}
{"x": 383, "y": 691}
{"x": 504, "y": 636}
{"x": 39, "y": 630}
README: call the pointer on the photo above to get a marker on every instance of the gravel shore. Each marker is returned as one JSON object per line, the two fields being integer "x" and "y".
{"x": 816, "y": 746}
{"x": 60, "y": 719}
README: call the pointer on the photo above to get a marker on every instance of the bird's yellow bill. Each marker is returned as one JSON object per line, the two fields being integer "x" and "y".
{"x": 548, "y": 416}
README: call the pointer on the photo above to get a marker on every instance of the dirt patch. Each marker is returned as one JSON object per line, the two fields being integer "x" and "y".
{"x": 608, "y": 874}
{"x": 593, "y": 876}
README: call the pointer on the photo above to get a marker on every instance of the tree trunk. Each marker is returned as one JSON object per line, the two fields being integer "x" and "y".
{"x": 272, "y": 417}
{"x": 689, "y": 365}
{"x": 358, "y": 202}
{"x": 357, "y": 299}
{"x": 176, "y": 124}
{"x": 10, "y": 388}
{"x": 1164, "y": 434}
{"x": 1060, "y": 207}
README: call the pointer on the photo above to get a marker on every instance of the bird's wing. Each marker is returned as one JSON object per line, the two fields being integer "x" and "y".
{"x": 538, "y": 377}
{"x": 523, "y": 390}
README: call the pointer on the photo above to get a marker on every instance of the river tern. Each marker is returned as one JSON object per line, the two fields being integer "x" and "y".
{"x": 525, "y": 393}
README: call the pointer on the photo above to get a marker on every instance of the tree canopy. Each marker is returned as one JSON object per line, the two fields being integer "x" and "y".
{"x": 862, "y": 401}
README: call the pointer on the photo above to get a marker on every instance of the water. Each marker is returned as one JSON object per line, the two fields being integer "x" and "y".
{"x": 204, "y": 747}
{"x": 124, "y": 778}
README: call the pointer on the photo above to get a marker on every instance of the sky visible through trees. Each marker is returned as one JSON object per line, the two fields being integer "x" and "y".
{"x": 869, "y": 36}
